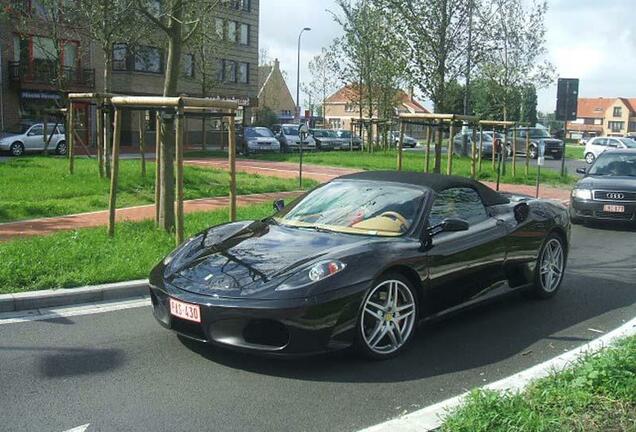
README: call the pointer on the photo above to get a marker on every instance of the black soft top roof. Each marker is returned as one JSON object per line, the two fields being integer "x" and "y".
{"x": 436, "y": 182}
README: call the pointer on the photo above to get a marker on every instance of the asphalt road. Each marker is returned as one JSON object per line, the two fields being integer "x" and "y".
{"x": 121, "y": 371}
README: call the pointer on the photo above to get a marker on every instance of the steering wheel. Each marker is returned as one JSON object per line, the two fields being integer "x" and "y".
{"x": 396, "y": 216}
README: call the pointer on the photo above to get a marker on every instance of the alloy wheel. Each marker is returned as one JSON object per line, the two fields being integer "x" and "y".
{"x": 17, "y": 149}
{"x": 552, "y": 265}
{"x": 61, "y": 148}
{"x": 589, "y": 158}
{"x": 388, "y": 317}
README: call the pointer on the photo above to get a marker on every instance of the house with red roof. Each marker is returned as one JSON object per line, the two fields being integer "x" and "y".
{"x": 604, "y": 116}
{"x": 344, "y": 105}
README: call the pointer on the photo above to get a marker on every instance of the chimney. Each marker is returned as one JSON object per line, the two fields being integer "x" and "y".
{"x": 276, "y": 64}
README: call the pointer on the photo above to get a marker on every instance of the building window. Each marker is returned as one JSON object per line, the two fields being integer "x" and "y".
{"x": 230, "y": 71}
{"x": 244, "y": 34}
{"x": 187, "y": 65}
{"x": 120, "y": 54}
{"x": 632, "y": 126}
{"x": 148, "y": 59}
{"x": 220, "y": 70}
{"x": 219, "y": 26}
{"x": 618, "y": 112}
{"x": 231, "y": 31}
{"x": 70, "y": 54}
{"x": 615, "y": 126}
{"x": 245, "y": 5}
{"x": 244, "y": 73}
{"x": 588, "y": 121}
{"x": 350, "y": 108}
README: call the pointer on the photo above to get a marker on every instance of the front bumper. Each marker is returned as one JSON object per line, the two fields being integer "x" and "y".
{"x": 276, "y": 327}
{"x": 595, "y": 210}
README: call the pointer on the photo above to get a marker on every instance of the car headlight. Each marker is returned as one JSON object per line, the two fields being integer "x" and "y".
{"x": 317, "y": 272}
{"x": 584, "y": 194}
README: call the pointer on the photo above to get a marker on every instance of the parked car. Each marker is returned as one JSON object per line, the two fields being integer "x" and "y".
{"x": 488, "y": 142}
{"x": 598, "y": 145}
{"x": 326, "y": 139}
{"x": 364, "y": 259}
{"x": 538, "y": 136}
{"x": 258, "y": 139}
{"x": 290, "y": 140}
{"x": 347, "y": 140}
{"x": 408, "y": 141}
{"x": 30, "y": 137}
{"x": 608, "y": 190}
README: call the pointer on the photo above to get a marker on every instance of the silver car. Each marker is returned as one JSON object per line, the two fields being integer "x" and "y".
{"x": 259, "y": 139}
{"x": 29, "y": 138}
{"x": 290, "y": 140}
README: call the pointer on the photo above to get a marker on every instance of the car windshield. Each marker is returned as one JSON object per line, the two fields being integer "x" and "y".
{"x": 357, "y": 207}
{"x": 614, "y": 165}
{"x": 539, "y": 133}
{"x": 290, "y": 130}
{"x": 628, "y": 142}
{"x": 344, "y": 134}
{"x": 321, "y": 133}
{"x": 258, "y": 132}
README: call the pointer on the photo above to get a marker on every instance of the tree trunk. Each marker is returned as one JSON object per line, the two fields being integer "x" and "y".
{"x": 167, "y": 197}
{"x": 107, "y": 121}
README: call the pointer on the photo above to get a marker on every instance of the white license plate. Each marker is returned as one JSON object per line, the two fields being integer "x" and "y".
{"x": 614, "y": 209}
{"x": 185, "y": 311}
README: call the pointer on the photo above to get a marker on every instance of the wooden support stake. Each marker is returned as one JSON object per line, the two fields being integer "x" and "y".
{"x": 514, "y": 152}
{"x": 142, "y": 141}
{"x": 449, "y": 168}
{"x": 112, "y": 201}
{"x": 71, "y": 137}
{"x": 232, "y": 157}
{"x": 473, "y": 154}
{"x": 400, "y": 146}
{"x": 437, "y": 169}
{"x": 100, "y": 141}
{"x": 429, "y": 140}
{"x": 178, "y": 209}
{"x": 158, "y": 140}
{"x": 527, "y": 152}
{"x": 494, "y": 148}
{"x": 481, "y": 147}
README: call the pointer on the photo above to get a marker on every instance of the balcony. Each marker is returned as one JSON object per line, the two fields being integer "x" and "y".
{"x": 44, "y": 76}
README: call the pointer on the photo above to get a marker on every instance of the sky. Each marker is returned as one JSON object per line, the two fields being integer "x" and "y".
{"x": 594, "y": 40}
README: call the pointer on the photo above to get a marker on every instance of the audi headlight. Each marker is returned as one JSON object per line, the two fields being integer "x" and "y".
{"x": 584, "y": 194}
{"x": 317, "y": 272}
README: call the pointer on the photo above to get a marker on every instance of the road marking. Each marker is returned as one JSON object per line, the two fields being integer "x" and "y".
{"x": 79, "y": 428}
{"x": 63, "y": 312}
{"x": 432, "y": 417}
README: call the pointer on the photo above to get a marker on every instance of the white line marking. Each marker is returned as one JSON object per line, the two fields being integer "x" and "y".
{"x": 63, "y": 312}
{"x": 79, "y": 428}
{"x": 432, "y": 417}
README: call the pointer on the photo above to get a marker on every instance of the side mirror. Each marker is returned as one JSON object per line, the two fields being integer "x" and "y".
{"x": 521, "y": 211}
{"x": 279, "y": 205}
{"x": 454, "y": 225}
{"x": 581, "y": 171}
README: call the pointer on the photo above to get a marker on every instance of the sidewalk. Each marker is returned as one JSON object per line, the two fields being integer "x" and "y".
{"x": 36, "y": 227}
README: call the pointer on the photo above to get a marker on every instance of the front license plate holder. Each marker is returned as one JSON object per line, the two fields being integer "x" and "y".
{"x": 186, "y": 311}
{"x": 611, "y": 208}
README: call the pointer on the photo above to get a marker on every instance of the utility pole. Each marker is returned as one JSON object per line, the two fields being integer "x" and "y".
{"x": 298, "y": 75}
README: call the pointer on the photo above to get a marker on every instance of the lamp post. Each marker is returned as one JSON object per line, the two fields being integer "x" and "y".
{"x": 298, "y": 75}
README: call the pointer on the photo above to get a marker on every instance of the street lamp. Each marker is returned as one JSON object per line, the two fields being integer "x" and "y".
{"x": 298, "y": 75}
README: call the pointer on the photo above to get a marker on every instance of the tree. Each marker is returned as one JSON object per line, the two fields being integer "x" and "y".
{"x": 177, "y": 21}
{"x": 434, "y": 32}
{"x": 266, "y": 117}
{"x": 323, "y": 81}
{"x": 514, "y": 49}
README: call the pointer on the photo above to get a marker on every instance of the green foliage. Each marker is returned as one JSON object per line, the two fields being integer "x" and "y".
{"x": 88, "y": 256}
{"x": 266, "y": 117}
{"x": 35, "y": 187}
{"x": 597, "y": 394}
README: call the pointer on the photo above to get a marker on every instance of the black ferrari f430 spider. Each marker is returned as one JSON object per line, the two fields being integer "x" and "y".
{"x": 360, "y": 260}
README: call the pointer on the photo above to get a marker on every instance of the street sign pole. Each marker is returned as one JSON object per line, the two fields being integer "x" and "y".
{"x": 540, "y": 163}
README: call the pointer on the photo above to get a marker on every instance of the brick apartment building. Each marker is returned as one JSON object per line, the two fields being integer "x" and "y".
{"x": 27, "y": 87}
{"x": 604, "y": 116}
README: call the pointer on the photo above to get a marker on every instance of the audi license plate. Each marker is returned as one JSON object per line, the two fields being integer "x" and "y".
{"x": 614, "y": 209}
{"x": 185, "y": 311}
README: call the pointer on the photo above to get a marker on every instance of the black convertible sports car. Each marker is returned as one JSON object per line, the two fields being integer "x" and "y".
{"x": 608, "y": 191}
{"x": 359, "y": 261}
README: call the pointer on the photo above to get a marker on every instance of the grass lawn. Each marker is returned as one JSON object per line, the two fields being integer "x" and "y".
{"x": 88, "y": 256}
{"x": 596, "y": 395}
{"x": 35, "y": 187}
{"x": 575, "y": 151}
{"x": 412, "y": 161}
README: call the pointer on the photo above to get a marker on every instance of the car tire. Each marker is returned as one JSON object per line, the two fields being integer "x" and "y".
{"x": 533, "y": 152}
{"x": 551, "y": 263}
{"x": 61, "y": 148}
{"x": 590, "y": 158}
{"x": 16, "y": 149}
{"x": 388, "y": 317}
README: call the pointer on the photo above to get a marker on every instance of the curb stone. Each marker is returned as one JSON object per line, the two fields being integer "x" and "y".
{"x": 72, "y": 296}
